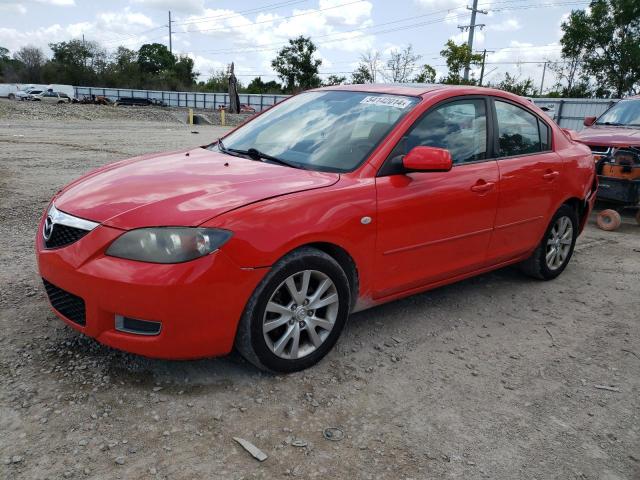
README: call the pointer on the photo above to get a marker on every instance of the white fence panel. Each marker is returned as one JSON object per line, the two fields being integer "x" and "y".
{"x": 567, "y": 112}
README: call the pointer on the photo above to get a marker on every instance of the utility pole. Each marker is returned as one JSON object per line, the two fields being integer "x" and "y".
{"x": 170, "y": 43}
{"x": 471, "y": 29}
{"x": 544, "y": 70}
{"x": 484, "y": 57}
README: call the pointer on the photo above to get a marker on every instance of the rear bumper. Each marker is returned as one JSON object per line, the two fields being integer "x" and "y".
{"x": 198, "y": 303}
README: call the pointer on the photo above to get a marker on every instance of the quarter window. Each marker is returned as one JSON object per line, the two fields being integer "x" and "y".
{"x": 459, "y": 126}
{"x": 519, "y": 131}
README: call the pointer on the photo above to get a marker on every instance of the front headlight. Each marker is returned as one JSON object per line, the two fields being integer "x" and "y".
{"x": 168, "y": 244}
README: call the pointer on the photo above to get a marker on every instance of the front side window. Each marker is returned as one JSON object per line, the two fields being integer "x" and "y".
{"x": 519, "y": 131}
{"x": 326, "y": 130}
{"x": 459, "y": 126}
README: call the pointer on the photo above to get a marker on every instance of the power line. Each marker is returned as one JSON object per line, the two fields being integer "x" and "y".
{"x": 272, "y": 6}
{"x": 312, "y": 12}
{"x": 278, "y": 45}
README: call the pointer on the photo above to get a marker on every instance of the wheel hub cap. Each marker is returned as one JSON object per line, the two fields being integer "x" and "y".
{"x": 559, "y": 243}
{"x": 300, "y": 314}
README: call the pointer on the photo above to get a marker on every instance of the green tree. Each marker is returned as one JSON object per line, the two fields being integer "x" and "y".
{"x": 154, "y": 58}
{"x": 32, "y": 59}
{"x": 426, "y": 75}
{"x": 401, "y": 65}
{"x": 183, "y": 71}
{"x": 511, "y": 83}
{"x": 606, "y": 40}
{"x": 74, "y": 62}
{"x": 9, "y": 69}
{"x": 334, "y": 80}
{"x": 457, "y": 57}
{"x": 361, "y": 74}
{"x": 296, "y": 65}
{"x": 258, "y": 86}
{"x": 218, "y": 82}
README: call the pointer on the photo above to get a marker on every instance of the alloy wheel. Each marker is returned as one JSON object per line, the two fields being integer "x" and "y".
{"x": 559, "y": 243}
{"x": 300, "y": 314}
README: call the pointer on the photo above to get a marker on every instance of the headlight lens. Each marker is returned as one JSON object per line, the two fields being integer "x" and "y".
{"x": 168, "y": 244}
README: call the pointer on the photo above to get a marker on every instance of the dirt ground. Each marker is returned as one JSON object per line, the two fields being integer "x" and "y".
{"x": 494, "y": 377}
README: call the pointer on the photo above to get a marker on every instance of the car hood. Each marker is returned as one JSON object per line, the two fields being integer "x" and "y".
{"x": 610, "y": 136}
{"x": 183, "y": 188}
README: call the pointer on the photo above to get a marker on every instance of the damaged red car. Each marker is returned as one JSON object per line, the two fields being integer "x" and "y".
{"x": 331, "y": 202}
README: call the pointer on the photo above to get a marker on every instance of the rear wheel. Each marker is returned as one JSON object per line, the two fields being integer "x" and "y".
{"x": 553, "y": 253}
{"x": 296, "y": 314}
{"x": 638, "y": 216}
{"x": 11, "y": 96}
{"x": 608, "y": 220}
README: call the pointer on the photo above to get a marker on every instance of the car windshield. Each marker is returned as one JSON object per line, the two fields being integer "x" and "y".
{"x": 624, "y": 113}
{"x": 331, "y": 131}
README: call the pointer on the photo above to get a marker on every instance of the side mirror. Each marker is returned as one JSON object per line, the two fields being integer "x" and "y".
{"x": 427, "y": 159}
{"x": 588, "y": 121}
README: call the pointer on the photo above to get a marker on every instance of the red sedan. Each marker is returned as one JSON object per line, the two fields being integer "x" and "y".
{"x": 331, "y": 202}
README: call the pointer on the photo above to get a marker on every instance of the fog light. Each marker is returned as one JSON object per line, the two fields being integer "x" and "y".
{"x": 137, "y": 327}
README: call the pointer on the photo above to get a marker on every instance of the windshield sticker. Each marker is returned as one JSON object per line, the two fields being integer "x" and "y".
{"x": 396, "y": 102}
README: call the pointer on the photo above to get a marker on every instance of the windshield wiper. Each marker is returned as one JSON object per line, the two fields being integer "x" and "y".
{"x": 611, "y": 124}
{"x": 255, "y": 154}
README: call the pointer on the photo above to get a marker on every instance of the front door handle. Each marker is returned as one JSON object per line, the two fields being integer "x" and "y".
{"x": 550, "y": 175}
{"x": 482, "y": 186}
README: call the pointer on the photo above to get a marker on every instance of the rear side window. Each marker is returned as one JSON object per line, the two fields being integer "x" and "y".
{"x": 459, "y": 126}
{"x": 519, "y": 131}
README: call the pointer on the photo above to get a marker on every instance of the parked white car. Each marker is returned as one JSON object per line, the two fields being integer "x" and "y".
{"x": 9, "y": 90}
{"x": 28, "y": 94}
{"x": 51, "y": 97}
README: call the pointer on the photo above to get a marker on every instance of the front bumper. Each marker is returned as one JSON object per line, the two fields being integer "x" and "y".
{"x": 199, "y": 303}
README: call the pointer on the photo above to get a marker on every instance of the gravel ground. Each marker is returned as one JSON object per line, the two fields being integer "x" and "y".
{"x": 17, "y": 111}
{"x": 494, "y": 377}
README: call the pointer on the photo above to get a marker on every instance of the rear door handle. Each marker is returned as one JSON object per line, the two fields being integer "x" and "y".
{"x": 550, "y": 175}
{"x": 482, "y": 186}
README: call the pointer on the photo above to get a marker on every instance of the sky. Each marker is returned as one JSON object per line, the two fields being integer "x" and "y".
{"x": 519, "y": 35}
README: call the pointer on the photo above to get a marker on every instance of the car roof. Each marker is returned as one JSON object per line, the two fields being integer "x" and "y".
{"x": 415, "y": 89}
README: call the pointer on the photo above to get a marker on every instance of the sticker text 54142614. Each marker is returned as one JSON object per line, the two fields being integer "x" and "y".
{"x": 388, "y": 101}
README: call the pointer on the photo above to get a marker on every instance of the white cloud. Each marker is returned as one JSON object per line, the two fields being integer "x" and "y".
{"x": 432, "y": 5}
{"x": 508, "y": 25}
{"x": 182, "y": 6}
{"x": 13, "y": 8}
{"x": 109, "y": 29}
{"x": 57, "y": 3}
{"x": 269, "y": 31}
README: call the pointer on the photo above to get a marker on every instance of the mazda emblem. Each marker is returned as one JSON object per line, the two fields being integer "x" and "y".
{"x": 47, "y": 228}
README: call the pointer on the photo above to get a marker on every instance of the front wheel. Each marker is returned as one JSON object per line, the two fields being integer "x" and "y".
{"x": 553, "y": 253}
{"x": 296, "y": 314}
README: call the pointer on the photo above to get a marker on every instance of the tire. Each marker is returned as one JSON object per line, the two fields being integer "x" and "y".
{"x": 608, "y": 220}
{"x": 538, "y": 265}
{"x": 61, "y": 102}
{"x": 11, "y": 96}
{"x": 259, "y": 344}
{"x": 638, "y": 216}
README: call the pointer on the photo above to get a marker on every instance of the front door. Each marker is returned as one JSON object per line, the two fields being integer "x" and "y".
{"x": 529, "y": 175}
{"x": 437, "y": 225}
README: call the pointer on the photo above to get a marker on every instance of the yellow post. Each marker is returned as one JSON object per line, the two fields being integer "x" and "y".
{"x": 191, "y": 117}
{"x": 222, "y": 117}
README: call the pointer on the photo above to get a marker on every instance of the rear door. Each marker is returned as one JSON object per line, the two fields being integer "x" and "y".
{"x": 530, "y": 172}
{"x": 437, "y": 225}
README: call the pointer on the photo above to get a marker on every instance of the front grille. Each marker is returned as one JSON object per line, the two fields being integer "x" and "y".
{"x": 68, "y": 304}
{"x": 62, "y": 235}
